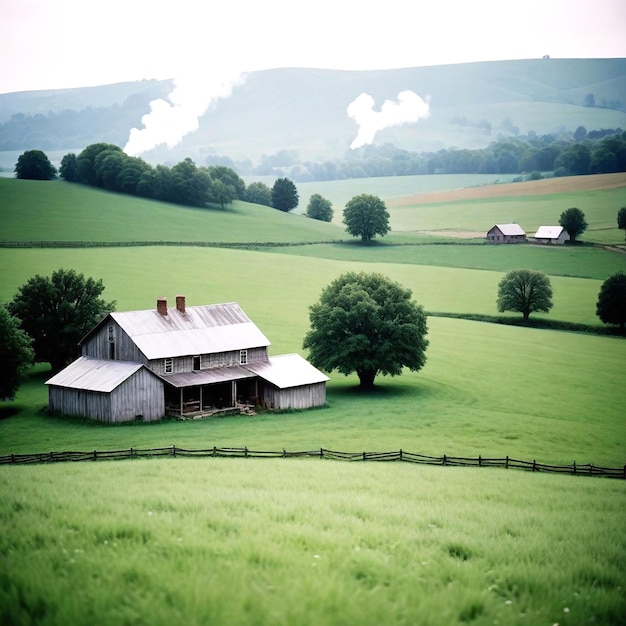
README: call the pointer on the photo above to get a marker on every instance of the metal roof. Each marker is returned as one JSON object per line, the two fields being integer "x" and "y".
{"x": 548, "y": 232}
{"x": 199, "y": 330}
{"x": 288, "y": 370}
{"x": 510, "y": 229}
{"x": 206, "y": 377}
{"x": 94, "y": 374}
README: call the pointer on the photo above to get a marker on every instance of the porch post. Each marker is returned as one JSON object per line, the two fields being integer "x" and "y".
{"x": 233, "y": 393}
{"x": 181, "y": 401}
{"x": 201, "y": 398}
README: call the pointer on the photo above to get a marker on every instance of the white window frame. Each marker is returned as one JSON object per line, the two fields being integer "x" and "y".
{"x": 168, "y": 366}
{"x": 243, "y": 357}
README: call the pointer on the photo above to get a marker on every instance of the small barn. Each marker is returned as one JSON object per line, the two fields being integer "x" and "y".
{"x": 181, "y": 362}
{"x": 506, "y": 233}
{"x": 554, "y": 235}
{"x": 108, "y": 391}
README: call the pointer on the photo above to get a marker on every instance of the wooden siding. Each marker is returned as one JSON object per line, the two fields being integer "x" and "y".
{"x": 207, "y": 361}
{"x": 303, "y": 397}
{"x": 97, "y": 345}
{"x": 140, "y": 395}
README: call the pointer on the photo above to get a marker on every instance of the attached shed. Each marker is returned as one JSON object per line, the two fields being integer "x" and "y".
{"x": 506, "y": 233}
{"x": 289, "y": 381}
{"x": 109, "y": 391}
{"x": 555, "y": 235}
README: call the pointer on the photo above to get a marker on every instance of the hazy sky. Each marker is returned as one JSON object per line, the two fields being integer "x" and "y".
{"x": 49, "y": 44}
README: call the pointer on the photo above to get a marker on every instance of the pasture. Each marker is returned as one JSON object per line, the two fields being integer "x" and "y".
{"x": 307, "y": 542}
{"x": 318, "y": 542}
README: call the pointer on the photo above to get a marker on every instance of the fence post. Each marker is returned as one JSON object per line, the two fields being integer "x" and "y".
{"x": 245, "y": 452}
{"x": 506, "y": 465}
{"x": 444, "y": 459}
{"x": 574, "y": 468}
{"x": 401, "y": 454}
{"x": 174, "y": 450}
{"x": 321, "y": 453}
{"x": 480, "y": 460}
{"x": 13, "y": 461}
{"x": 534, "y": 465}
{"x": 364, "y": 457}
{"x": 624, "y": 472}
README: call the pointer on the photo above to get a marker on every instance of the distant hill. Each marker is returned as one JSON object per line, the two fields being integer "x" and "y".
{"x": 305, "y": 109}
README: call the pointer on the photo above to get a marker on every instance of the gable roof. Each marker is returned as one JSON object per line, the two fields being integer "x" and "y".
{"x": 95, "y": 374}
{"x": 197, "y": 330}
{"x": 288, "y": 370}
{"x": 509, "y": 229}
{"x": 549, "y": 232}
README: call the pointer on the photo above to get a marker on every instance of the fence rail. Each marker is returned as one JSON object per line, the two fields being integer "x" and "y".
{"x": 507, "y": 462}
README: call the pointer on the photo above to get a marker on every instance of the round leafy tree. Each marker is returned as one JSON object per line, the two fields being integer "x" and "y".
{"x": 258, "y": 193}
{"x": 284, "y": 195}
{"x": 16, "y": 354}
{"x": 366, "y": 216}
{"x": 368, "y": 324}
{"x": 57, "y": 312}
{"x": 573, "y": 221}
{"x": 524, "y": 291}
{"x": 319, "y": 208}
{"x": 35, "y": 165}
{"x": 611, "y": 305}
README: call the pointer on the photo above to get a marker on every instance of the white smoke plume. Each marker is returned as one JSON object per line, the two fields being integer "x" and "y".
{"x": 171, "y": 119}
{"x": 408, "y": 110}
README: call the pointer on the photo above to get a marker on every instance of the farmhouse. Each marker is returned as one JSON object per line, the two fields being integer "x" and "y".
{"x": 555, "y": 235}
{"x": 506, "y": 233}
{"x": 180, "y": 361}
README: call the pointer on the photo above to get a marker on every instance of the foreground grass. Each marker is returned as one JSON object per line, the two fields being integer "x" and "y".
{"x": 307, "y": 542}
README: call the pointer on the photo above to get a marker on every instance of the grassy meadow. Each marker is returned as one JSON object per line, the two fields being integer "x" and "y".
{"x": 210, "y": 541}
{"x": 322, "y": 542}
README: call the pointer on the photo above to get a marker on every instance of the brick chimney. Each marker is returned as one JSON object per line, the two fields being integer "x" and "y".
{"x": 162, "y": 306}
{"x": 180, "y": 304}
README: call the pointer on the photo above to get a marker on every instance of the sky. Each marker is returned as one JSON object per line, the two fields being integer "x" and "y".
{"x": 58, "y": 44}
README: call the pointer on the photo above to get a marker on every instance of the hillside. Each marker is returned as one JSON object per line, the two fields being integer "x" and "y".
{"x": 305, "y": 109}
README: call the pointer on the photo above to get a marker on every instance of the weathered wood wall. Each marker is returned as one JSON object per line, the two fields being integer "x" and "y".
{"x": 303, "y": 397}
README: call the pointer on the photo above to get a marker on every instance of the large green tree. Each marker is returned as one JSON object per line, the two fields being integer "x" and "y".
{"x": 573, "y": 221}
{"x": 524, "y": 291}
{"x": 320, "y": 208}
{"x": 67, "y": 171}
{"x": 16, "y": 354}
{"x": 35, "y": 165}
{"x": 284, "y": 195}
{"x": 57, "y": 311}
{"x": 368, "y": 324}
{"x": 611, "y": 305}
{"x": 621, "y": 220}
{"x": 366, "y": 216}
{"x": 258, "y": 193}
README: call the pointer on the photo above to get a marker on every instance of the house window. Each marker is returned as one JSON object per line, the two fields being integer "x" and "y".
{"x": 196, "y": 363}
{"x": 168, "y": 366}
{"x": 243, "y": 357}
{"x": 111, "y": 334}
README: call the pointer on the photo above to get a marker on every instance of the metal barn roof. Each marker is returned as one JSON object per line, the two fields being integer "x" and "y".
{"x": 288, "y": 370}
{"x": 94, "y": 374}
{"x": 207, "y": 377}
{"x": 197, "y": 330}
{"x": 548, "y": 232}
{"x": 510, "y": 229}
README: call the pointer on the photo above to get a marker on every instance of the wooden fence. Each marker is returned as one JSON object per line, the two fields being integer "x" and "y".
{"x": 586, "y": 469}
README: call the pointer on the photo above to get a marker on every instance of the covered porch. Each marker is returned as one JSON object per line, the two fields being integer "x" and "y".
{"x": 206, "y": 392}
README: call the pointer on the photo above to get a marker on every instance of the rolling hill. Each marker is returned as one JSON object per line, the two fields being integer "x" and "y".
{"x": 304, "y": 110}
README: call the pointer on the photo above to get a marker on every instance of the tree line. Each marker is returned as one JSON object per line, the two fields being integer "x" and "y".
{"x": 564, "y": 153}
{"x": 108, "y": 167}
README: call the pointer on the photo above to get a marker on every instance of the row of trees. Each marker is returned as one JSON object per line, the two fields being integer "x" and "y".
{"x": 107, "y": 166}
{"x": 578, "y": 153}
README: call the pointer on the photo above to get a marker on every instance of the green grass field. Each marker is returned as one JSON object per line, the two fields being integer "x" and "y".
{"x": 307, "y": 542}
{"x": 322, "y": 542}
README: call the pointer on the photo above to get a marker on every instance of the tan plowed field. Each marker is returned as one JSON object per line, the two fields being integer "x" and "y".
{"x": 530, "y": 188}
